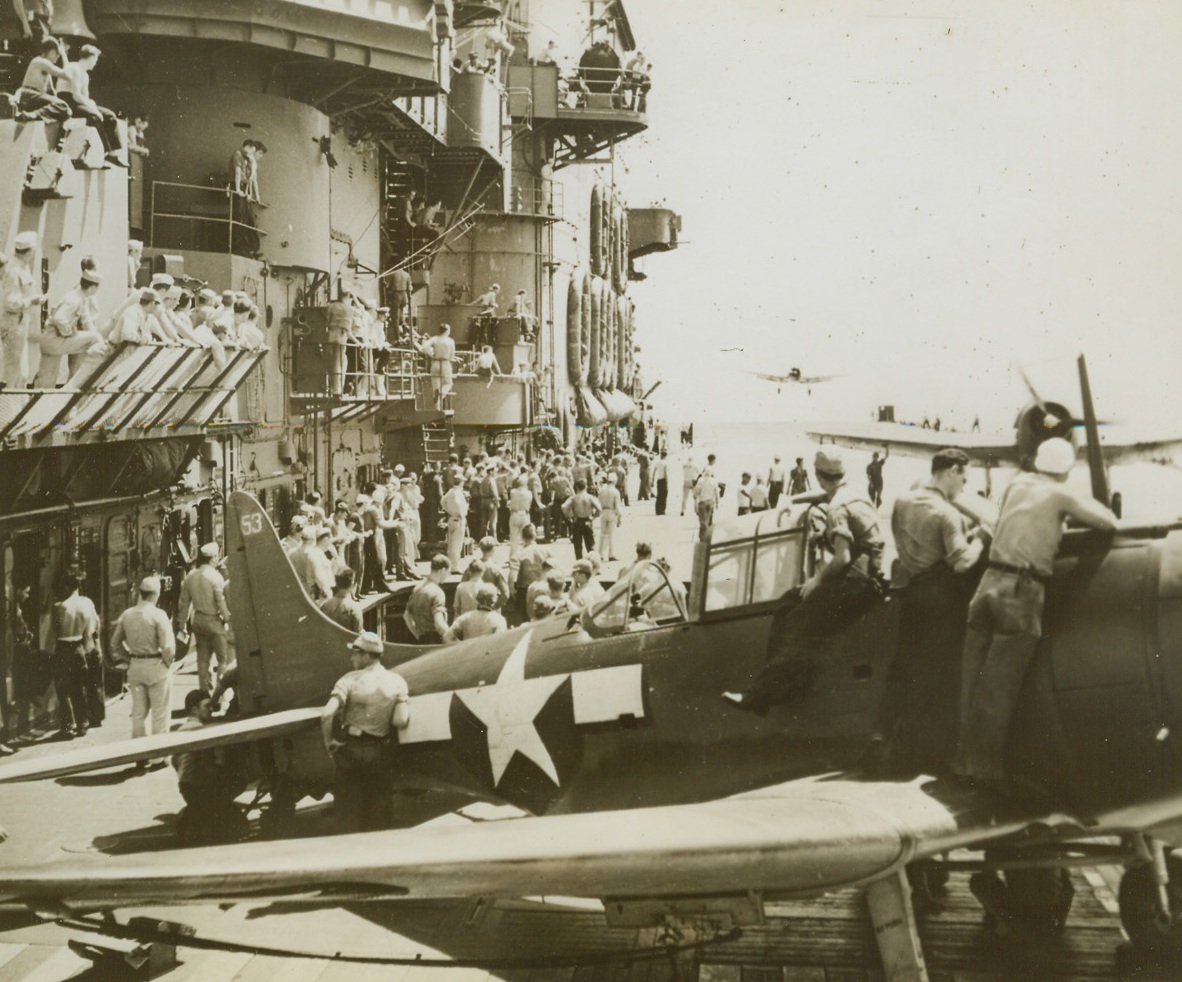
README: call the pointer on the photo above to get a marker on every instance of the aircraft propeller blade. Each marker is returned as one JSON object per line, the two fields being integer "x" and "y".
{"x": 1038, "y": 400}
{"x": 1041, "y": 403}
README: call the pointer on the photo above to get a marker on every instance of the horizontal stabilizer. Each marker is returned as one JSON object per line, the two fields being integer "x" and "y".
{"x": 164, "y": 745}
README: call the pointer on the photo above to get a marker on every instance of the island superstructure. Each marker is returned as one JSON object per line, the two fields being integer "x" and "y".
{"x": 412, "y": 147}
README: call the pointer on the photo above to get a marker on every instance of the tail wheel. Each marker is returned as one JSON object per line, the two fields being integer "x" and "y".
{"x": 1140, "y": 915}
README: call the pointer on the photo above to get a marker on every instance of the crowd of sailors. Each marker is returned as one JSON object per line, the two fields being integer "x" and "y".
{"x": 75, "y": 331}
{"x": 35, "y": 340}
{"x": 970, "y": 581}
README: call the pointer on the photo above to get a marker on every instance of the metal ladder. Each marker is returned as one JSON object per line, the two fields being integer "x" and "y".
{"x": 437, "y": 441}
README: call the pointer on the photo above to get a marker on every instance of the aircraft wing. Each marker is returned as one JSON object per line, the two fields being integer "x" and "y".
{"x": 772, "y": 378}
{"x": 812, "y": 379}
{"x": 983, "y": 448}
{"x": 165, "y": 745}
{"x": 797, "y": 839}
{"x": 1129, "y": 448}
{"x": 993, "y": 449}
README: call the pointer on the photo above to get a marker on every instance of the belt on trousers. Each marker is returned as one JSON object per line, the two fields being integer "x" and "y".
{"x": 157, "y": 655}
{"x": 77, "y": 640}
{"x": 357, "y": 734}
{"x": 1020, "y": 571}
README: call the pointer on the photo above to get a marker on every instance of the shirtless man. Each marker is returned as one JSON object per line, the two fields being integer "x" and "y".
{"x": 1005, "y": 614}
{"x": 77, "y": 660}
{"x": 36, "y": 97}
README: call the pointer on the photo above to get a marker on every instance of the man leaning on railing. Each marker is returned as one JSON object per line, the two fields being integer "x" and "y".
{"x": 71, "y": 331}
{"x": 137, "y": 325}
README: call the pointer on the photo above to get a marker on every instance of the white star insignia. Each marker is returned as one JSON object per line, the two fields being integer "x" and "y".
{"x": 508, "y": 710}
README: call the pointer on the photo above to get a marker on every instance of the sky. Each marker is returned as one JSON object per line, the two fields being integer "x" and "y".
{"x": 916, "y": 196}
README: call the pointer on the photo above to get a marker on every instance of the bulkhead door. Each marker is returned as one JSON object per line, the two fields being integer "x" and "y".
{"x": 119, "y": 568}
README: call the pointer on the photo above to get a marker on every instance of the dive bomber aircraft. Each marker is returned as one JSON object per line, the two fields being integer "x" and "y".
{"x": 794, "y": 377}
{"x": 647, "y": 791}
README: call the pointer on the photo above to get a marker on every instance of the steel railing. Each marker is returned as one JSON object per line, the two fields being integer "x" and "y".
{"x": 214, "y": 219}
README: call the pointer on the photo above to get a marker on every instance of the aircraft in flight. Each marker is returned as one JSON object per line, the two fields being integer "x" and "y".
{"x": 645, "y": 790}
{"x": 793, "y": 376}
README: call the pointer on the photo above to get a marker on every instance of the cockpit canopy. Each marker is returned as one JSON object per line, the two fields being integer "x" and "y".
{"x": 643, "y": 599}
{"x": 748, "y": 561}
{"x": 751, "y": 560}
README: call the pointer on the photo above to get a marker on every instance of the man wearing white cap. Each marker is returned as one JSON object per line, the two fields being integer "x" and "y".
{"x": 72, "y": 330}
{"x": 454, "y": 505}
{"x": 294, "y": 539}
{"x": 609, "y": 515}
{"x": 204, "y": 306}
{"x": 1005, "y": 614}
{"x": 775, "y": 481}
{"x": 144, "y": 635}
{"x": 836, "y": 595}
{"x": 365, "y": 705}
{"x": 20, "y": 301}
{"x": 706, "y": 495}
{"x": 313, "y": 566}
{"x": 203, "y": 596}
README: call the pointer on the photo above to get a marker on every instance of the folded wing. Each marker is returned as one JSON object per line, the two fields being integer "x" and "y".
{"x": 165, "y": 745}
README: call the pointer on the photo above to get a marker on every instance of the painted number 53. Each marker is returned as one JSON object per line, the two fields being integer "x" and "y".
{"x": 252, "y": 524}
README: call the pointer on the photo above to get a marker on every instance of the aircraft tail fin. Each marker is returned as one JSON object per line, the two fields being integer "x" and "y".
{"x": 289, "y": 653}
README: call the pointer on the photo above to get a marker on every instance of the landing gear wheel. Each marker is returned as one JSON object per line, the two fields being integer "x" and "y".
{"x": 1139, "y": 913}
{"x": 929, "y": 880}
{"x": 1040, "y": 898}
{"x": 1033, "y": 901}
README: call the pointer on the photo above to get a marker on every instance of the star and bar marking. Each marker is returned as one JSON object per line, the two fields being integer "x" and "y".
{"x": 509, "y": 708}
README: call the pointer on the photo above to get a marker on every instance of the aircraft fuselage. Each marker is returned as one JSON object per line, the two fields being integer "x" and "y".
{"x": 553, "y": 719}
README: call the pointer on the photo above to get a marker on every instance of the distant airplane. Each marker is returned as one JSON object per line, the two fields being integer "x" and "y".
{"x": 1038, "y": 420}
{"x": 794, "y": 376}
